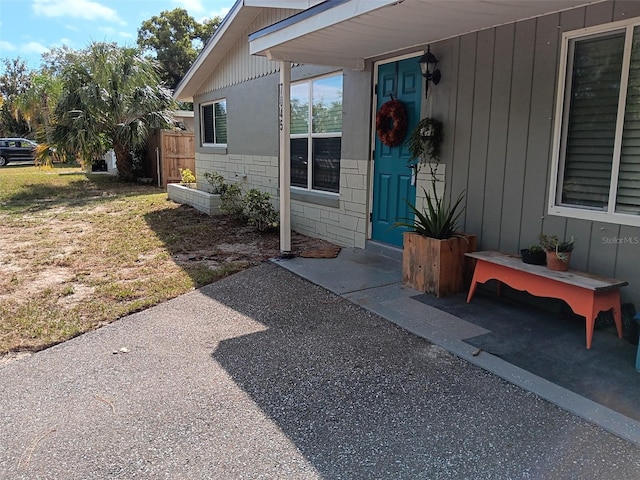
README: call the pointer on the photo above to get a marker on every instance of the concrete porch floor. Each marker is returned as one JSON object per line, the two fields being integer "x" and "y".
{"x": 527, "y": 346}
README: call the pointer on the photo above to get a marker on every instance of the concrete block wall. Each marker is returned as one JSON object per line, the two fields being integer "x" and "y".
{"x": 345, "y": 225}
{"x": 251, "y": 171}
{"x": 199, "y": 199}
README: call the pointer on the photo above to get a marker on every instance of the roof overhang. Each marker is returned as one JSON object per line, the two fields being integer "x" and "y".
{"x": 346, "y": 33}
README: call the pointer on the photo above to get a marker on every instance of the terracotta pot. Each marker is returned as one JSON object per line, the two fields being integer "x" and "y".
{"x": 559, "y": 264}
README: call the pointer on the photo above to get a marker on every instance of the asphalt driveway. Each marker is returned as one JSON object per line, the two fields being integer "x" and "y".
{"x": 264, "y": 375}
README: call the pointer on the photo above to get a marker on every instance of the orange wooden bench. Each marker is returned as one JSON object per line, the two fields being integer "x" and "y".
{"x": 585, "y": 293}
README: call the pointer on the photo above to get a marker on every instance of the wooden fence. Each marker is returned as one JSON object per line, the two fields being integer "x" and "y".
{"x": 169, "y": 151}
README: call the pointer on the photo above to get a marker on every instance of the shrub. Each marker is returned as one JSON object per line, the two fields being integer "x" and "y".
{"x": 216, "y": 181}
{"x": 255, "y": 206}
{"x": 259, "y": 210}
{"x": 231, "y": 200}
{"x": 186, "y": 176}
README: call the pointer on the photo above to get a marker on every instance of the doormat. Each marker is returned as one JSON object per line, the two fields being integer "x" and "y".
{"x": 325, "y": 252}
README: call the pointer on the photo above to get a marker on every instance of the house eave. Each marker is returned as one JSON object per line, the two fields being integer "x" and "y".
{"x": 349, "y": 32}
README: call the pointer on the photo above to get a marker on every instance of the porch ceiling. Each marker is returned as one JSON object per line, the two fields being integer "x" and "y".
{"x": 345, "y": 33}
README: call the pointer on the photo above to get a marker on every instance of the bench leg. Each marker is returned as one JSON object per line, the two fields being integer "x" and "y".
{"x": 590, "y": 325}
{"x": 472, "y": 289}
{"x": 605, "y": 301}
{"x": 481, "y": 273}
{"x": 600, "y": 302}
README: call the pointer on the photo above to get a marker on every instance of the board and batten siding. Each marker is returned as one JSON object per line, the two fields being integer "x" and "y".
{"x": 497, "y": 100}
{"x": 238, "y": 65}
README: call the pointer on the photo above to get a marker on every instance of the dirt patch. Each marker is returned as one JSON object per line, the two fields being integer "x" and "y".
{"x": 28, "y": 267}
{"x": 74, "y": 263}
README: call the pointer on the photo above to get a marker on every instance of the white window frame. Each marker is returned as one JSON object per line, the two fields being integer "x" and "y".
{"x": 310, "y": 136}
{"x": 202, "y": 125}
{"x": 560, "y": 129}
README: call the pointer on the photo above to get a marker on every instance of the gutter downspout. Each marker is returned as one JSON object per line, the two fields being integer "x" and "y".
{"x": 158, "y": 166}
{"x": 284, "y": 117}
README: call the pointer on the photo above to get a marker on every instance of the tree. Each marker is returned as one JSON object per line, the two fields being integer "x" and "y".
{"x": 14, "y": 82}
{"x": 175, "y": 39}
{"x": 110, "y": 99}
{"x": 37, "y": 103}
{"x": 55, "y": 60}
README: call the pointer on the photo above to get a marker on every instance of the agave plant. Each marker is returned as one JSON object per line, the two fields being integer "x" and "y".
{"x": 438, "y": 220}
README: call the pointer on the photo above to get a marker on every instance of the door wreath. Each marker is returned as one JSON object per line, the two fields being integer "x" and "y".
{"x": 391, "y": 122}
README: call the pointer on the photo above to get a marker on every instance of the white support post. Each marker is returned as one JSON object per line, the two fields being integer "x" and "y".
{"x": 284, "y": 106}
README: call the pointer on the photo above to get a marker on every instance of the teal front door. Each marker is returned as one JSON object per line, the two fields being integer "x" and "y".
{"x": 392, "y": 178}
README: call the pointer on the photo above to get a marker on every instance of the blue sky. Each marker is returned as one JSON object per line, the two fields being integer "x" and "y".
{"x": 30, "y": 27}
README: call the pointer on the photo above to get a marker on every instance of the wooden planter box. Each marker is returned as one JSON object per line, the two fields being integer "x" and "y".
{"x": 437, "y": 266}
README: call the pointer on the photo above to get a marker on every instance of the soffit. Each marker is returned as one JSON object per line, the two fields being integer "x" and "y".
{"x": 345, "y": 33}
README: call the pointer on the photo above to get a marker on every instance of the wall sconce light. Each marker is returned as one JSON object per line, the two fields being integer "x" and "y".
{"x": 428, "y": 66}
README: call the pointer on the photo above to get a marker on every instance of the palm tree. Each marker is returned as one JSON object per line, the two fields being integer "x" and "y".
{"x": 112, "y": 99}
{"x": 38, "y": 101}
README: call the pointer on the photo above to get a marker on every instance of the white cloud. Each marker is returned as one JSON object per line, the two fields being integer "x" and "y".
{"x": 107, "y": 30}
{"x": 7, "y": 47}
{"x": 191, "y": 6}
{"x": 33, "y": 47}
{"x": 219, "y": 13}
{"x": 25, "y": 48}
{"x": 84, "y": 9}
{"x": 107, "y": 33}
{"x": 197, "y": 9}
{"x": 214, "y": 13}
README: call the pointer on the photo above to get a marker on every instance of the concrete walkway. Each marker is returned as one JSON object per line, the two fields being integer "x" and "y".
{"x": 373, "y": 279}
{"x": 266, "y": 375}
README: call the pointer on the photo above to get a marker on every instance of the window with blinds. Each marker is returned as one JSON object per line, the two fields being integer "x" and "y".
{"x": 214, "y": 123}
{"x": 316, "y": 133}
{"x": 628, "y": 191}
{"x": 591, "y": 121}
{"x": 598, "y": 163}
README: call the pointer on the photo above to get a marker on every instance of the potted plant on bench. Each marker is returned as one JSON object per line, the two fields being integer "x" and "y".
{"x": 534, "y": 255}
{"x": 558, "y": 252}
